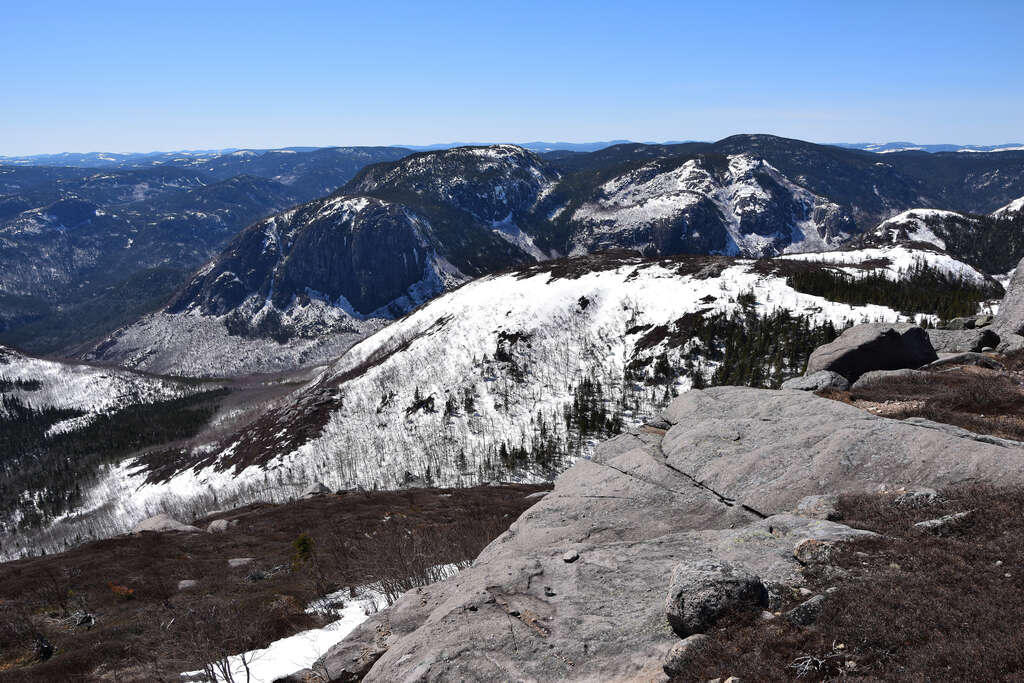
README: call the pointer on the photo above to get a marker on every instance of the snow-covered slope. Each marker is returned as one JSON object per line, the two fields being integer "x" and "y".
{"x": 1012, "y": 209}
{"x": 508, "y": 376}
{"x": 921, "y": 225}
{"x": 50, "y": 384}
{"x": 896, "y": 262}
{"x": 742, "y": 207}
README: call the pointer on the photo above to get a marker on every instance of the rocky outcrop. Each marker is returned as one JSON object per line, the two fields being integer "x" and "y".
{"x": 816, "y": 381}
{"x": 873, "y": 346}
{"x": 877, "y": 377}
{"x": 656, "y": 525}
{"x": 1010, "y": 320}
{"x": 962, "y": 341}
{"x": 162, "y": 523}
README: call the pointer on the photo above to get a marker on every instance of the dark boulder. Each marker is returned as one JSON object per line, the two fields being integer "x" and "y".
{"x": 874, "y": 346}
{"x": 701, "y": 592}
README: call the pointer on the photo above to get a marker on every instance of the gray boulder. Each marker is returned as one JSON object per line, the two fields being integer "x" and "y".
{"x": 162, "y": 523}
{"x": 824, "y": 506}
{"x": 236, "y": 562}
{"x": 943, "y": 525}
{"x": 683, "y": 652}
{"x": 880, "y": 377}
{"x": 874, "y": 346}
{"x": 823, "y": 379}
{"x": 1009, "y": 343}
{"x": 960, "y": 341}
{"x": 219, "y": 526}
{"x": 703, "y": 591}
{"x": 1010, "y": 319}
{"x": 187, "y": 584}
{"x": 806, "y": 613}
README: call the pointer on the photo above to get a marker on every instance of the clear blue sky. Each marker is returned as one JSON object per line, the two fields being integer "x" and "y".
{"x": 153, "y": 75}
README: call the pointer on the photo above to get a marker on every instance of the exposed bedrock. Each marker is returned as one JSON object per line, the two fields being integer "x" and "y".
{"x": 664, "y": 532}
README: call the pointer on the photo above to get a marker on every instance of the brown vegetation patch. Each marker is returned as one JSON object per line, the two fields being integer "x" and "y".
{"x": 977, "y": 399}
{"x": 910, "y": 606}
{"x": 146, "y": 629}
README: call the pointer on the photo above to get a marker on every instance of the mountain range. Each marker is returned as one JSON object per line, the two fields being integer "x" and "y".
{"x": 446, "y": 316}
{"x": 85, "y": 250}
{"x": 305, "y": 284}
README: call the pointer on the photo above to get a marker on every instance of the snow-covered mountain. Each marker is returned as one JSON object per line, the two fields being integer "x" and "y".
{"x": 302, "y": 286}
{"x": 993, "y": 243}
{"x": 924, "y": 225}
{"x": 41, "y": 383}
{"x": 1011, "y": 210}
{"x": 739, "y": 205}
{"x": 514, "y": 374}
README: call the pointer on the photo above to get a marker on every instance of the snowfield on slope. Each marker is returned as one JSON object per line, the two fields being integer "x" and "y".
{"x": 434, "y": 398}
{"x": 1011, "y": 209}
{"x": 915, "y": 223}
{"x": 83, "y": 387}
{"x": 895, "y": 262}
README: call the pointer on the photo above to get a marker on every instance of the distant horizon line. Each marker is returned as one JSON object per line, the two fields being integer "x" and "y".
{"x": 556, "y": 145}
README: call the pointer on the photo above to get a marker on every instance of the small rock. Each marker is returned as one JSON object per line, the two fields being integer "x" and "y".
{"x": 943, "y": 525}
{"x": 767, "y": 616}
{"x": 186, "y": 584}
{"x": 241, "y": 561}
{"x": 807, "y": 612}
{"x": 816, "y": 381}
{"x": 819, "y": 507}
{"x": 660, "y": 423}
{"x": 537, "y": 495}
{"x": 682, "y": 652}
{"x": 811, "y": 551}
{"x": 570, "y": 557}
{"x": 218, "y": 526}
{"x": 733, "y": 679}
{"x": 805, "y": 591}
{"x": 700, "y": 592}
